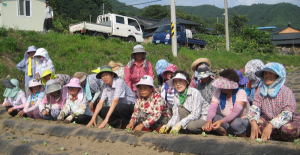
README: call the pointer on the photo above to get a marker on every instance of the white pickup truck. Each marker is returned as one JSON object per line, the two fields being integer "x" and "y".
{"x": 111, "y": 25}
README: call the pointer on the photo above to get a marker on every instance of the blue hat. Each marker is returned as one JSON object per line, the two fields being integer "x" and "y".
{"x": 243, "y": 79}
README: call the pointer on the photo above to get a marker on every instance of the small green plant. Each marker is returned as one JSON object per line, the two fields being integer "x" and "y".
{"x": 259, "y": 140}
{"x": 110, "y": 127}
{"x": 62, "y": 148}
{"x": 175, "y": 133}
{"x": 232, "y": 136}
{"x": 12, "y": 137}
{"x": 74, "y": 123}
{"x": 45, "y": 143}
{"x": 24, "y": 141}
{"x": 5, "y": 116}
{"x": 128, "y": 130}
{"x": 38, "y": 120}
{"x": 204, "y": 134}
{"x": 85, "y": 153}
{"x": 48, "y": 121}
{"x": 92, "y": 126}
{"x": 296, "y": 141}
{"x": 17, "y": 116}
{"x": 154, "y": 131}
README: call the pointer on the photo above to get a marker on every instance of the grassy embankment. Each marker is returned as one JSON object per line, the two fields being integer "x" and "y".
{"x": 83, "y": 53}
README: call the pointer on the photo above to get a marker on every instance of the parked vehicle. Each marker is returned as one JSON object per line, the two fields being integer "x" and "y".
{"x": 111, "y": 25}
{"x": 184, "y": 37}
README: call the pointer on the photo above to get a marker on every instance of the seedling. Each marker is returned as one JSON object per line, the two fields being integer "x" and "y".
{"x": 259, "y": 140}
{"x": 175, "y": 133}
{"x": 12, "y": 137}
{"x": 45, "y": 143}
{"x": 17, "y": 116}
{"x": 5, "y": 116}
{"x": 92, "y": 126}
{"x": 38, "y": 119}
{"x": 154, "y": 131}
{"x": 48, "y": 121}
{"x": 128, "y": 130}
{"x": 24, "y": 141}
{"x": 85, "y": 154}
{"x": 204, "y": 134}
{"x": 110, "y": 127}
{"x": 62, "y": 148}
{"x": 232, "y": 136}
{"x": 74, "y": 123}
{"x": 61, "y": 122}
{"x": 296, "y": 141}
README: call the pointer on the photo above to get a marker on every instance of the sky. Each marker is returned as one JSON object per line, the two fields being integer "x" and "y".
{"x": 217, "y": 3}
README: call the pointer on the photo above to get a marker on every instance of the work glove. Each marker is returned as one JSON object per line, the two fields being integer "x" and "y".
{"x": 176, "y": 128}
{"x": 61, "y": 116}
{"x": 68, "y": 119}
{"x": 164, "y": 128}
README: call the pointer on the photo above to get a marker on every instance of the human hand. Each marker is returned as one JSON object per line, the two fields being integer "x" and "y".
{"x": 130, "y": 125}
{"x": 164, "y": 129}
{"x": 10, "y": 110}
{"x": 68, "y": 119}
{"x": 91, "y": 105}
{"x": 207, "y": 126}
{"x": 139, "y": 127}
{"x": 176, "y": 128}
{"x": 45, "y": 112}
{"x": 92, "y": 122}
{"x": 52, "y": 18}
{"x": 7, "y": 104}
{"x": 20, "y": 113}
{"x": 102, "y": 125}
{"x": 217, "y": 124}
{"x": 60, "y": 117}
{"x": 266, "y": 134}
{"x": 254, "y": 130}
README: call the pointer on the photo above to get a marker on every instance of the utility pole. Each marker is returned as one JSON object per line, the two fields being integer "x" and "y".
{"x": 226, "y": 26}
{"x": 103, "y": 9}
{"x": 173, "y": 28}
{"x": 217, "y": 23}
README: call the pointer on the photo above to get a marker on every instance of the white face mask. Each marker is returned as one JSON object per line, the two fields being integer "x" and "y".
{"x": 42, "y": 59}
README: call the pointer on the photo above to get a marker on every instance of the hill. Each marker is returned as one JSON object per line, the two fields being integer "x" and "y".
{"x": 278, "y": 15}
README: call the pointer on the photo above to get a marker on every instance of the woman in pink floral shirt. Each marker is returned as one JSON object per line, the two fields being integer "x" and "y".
{"x": 137, "y": 67}
{"x": 150, "y": 110}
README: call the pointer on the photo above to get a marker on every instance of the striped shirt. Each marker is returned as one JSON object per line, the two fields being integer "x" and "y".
{"x": 18, "y": 103}
{"x": 33, "y": 101}
{"x": 119, "y": 90}
{"x": 194, "y": 103}
{"x": 240, "y": 96}
{"x": 170, "y": 95}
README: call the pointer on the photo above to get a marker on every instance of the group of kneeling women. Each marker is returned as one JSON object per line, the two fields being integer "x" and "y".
{"x": 263, "y": 107}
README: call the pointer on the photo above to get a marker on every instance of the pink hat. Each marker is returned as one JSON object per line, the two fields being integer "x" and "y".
{"x": 34, "y": 83}
{"x": 170, "y": 68}
{"x": 225, "y": 83}
{"x": 74, "y": 82}
{"x": 146, "y": 80}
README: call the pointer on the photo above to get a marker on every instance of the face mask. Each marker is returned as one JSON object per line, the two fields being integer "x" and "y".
{"x": 42, "y": 59}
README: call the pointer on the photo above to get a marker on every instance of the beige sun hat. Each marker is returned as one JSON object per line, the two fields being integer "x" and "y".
{"x": 200, "y": 60}
{"x": 115, "y": 66}
{"x": 80, "y": 75}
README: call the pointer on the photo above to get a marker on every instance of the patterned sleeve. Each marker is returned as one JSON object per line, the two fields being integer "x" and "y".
{"x": 258, "y": 98}
{"x": 67, "y": 107}
{"x": 175, "y": 118}
{"x": 163, "y": 92}
{"x": 36, "y": 105}
{"x": 104, "y": 94}
{"x": 82, "y": 107}
{"x": 254, "y": 113}
{"x": 150, "y": 70}
{"x": 42, "y": 104}
{"x": 281, "y": 119}
{"x": 197, "y": 99}
{"x": 127, "y": 77}
{"x": 157, "y": 111}
{"x": 136, "y": 110}
{"x": 21, "y": 98}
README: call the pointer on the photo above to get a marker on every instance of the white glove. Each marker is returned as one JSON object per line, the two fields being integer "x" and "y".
{"x": 176, "y": 128}
{"x": 68, "y": 119}
{"x": 164, "y": 128}
{"x": 61, "y": 116}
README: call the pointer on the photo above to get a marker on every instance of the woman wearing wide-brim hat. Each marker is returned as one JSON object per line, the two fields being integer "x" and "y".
{"x": 195, "y": 65}
{"x": 137, "y": 67}
{"x": 118, "y": 68}
{"x": 14, "y": 97}
{"x": 91, "y": 87}
{"x": 233, "y": 104}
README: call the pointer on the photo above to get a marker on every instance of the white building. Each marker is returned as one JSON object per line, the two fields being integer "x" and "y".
{"x": 22, "y": 14}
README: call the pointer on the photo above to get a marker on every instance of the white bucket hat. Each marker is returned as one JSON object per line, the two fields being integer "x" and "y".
{"x": 146, "y": 80}
{"x": 177, "y": 76}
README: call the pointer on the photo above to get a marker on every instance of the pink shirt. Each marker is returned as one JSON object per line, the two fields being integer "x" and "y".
{"x": 240, "y": 96}
{"x": 18, "y": 103}
{"x": 135, "y": 73}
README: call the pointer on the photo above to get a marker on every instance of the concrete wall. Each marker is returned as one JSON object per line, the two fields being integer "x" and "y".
{"x": 10, "y": 19}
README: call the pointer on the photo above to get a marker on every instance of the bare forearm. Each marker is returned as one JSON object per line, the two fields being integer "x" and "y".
{"x": 111, "y": 110}
{"x": 98, "y": 108}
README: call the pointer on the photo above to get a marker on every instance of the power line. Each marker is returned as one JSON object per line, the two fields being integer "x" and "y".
{"x": 144, "y": 3}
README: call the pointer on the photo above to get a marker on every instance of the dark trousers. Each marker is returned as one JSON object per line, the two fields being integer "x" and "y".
{"x": 14, "y": 112}
{"x": 120, "y": 116}
{"x": 160, "y": 79}
{"x": 82, "y": 119}
{"x": 48, "y": 23}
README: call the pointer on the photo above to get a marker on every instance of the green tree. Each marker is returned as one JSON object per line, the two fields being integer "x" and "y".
{"x": 220, "y": 27}
{"x": 155, "y": 11}
{"x": 236, "y": 22}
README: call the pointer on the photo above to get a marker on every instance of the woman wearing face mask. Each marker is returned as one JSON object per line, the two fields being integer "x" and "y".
{"x": 189, "y": 110}
{"x": 44, "y": 62}
{"x": 195, "y": 66}
{"x": 273, "y": 111}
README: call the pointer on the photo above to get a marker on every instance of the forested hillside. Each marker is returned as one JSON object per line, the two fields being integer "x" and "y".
{"x": 259, "y": 14}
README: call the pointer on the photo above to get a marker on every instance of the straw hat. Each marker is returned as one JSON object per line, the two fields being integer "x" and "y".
{"x": 115, "y": 66}
{"x": 200, "y": 60}
{"x": 80, "y": 75}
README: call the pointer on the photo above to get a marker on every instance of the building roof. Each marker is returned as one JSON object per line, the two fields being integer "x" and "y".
{"x": 267, "y": 27}
{"x": 285, "y": 38}
{"x": 283, "y": 28}
{"x": 168, "y": 22}
{"x": 146, "y": 22}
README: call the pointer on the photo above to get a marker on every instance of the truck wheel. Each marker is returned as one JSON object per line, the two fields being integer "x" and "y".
{"x": 178, "y": 45}
{"x": 99, "y": 35}
{"x": 131, "y": 40}
{"x": 197, "y": 47}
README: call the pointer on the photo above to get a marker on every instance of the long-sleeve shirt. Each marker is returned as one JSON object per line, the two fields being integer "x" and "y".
{"x": 278, "y": 110}
{"x": 95, "y": 86}
{"x": 18, "y": 103}
{"x": 170, "y": 93}
{"x": 23, "y": 66}
{"x": 53, "y": 105}
{"x": 33, "y": 101}
{"x": 77, "y": 107}
{"x": 41, "y": 67}
{"x": 194, "y": 103}
{"x": 135, "y": 73}
{"x": 207, "y": 90}
{"x": 154, "y": 106}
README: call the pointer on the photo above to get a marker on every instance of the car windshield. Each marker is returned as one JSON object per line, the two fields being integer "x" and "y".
{"x": 166, "y": 28}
